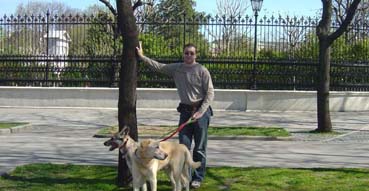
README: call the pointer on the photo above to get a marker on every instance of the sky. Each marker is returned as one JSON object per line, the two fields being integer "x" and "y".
{"x": 275, "y": 7}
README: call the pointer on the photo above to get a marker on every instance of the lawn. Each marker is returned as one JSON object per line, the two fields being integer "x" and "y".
{"x": 42, "y": 177}
{"x": 218, "y": 131}
{"x": 6, "y": 125}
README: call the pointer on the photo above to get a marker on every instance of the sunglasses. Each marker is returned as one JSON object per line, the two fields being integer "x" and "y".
{"x": 189, "y": 53}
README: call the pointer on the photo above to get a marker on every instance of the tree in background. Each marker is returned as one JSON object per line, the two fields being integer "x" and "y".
{"x": 293, "y": 35}
{"x": 326, "y": 38}
{"x": 177, "y": 33}
{"x": 341, "y": 7}
{"x": 26, "y": 34}
{"x": 231, "y": 12}
{"x": 174, "y": 9}
{"x": 145, "y": 13}
{"x": 28, "y": 39}
{"x": 361, "y": 18}
{"x": 101, "y": 42}
{"x": 41, "y": 8}
{"x": 309, "y": 50}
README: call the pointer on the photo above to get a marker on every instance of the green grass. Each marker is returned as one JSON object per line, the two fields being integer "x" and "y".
{"x": 45, "y": 177}
{"x": 218, "y": 131}
{"x": 249, "y": 131}
{"x": 5, "y": 125}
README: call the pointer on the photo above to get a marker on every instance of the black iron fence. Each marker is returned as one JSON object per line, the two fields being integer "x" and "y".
{"x": 48, "y": 50}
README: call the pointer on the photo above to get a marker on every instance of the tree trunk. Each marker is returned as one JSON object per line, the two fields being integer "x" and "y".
{"x": 323, "y": 32}
{"x": 326, "y": 39}
{"x": 324, "y": 119}
{"x": 128, "y": 80}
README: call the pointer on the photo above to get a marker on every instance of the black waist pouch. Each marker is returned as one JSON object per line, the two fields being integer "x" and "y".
{"x": 191, "y": 109}
{"x": 185, "y": 108}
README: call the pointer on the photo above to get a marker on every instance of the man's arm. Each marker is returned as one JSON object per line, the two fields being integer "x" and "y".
{"x": 157, "y": 66}
{"x": 209, "y": 95}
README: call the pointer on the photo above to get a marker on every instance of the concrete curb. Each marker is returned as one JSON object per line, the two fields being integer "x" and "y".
{"x": 21, "y": 128}
{"x": 16, "y": 129}
{"x": 6, "y": 172}
{"x": 4, "y": 131}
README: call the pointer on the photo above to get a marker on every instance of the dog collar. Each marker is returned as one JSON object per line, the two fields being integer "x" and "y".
{"x": 123, "y": 145}
{"x": 136, "y": 154}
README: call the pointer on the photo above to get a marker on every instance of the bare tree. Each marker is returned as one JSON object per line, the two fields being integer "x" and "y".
{"x": 30, "y": 38}
{"x": 41, "y": 8}
{"x": 174, "y": 9}
{"x": 231, "y": 11}
{"x": 145, "y": 13}
{"x": 128, "y": 75}
{"x": 232, "y": 7}
{"x": 326, "y": 38}
{"x": 340, "y": 9}
{"x": 293, "y": 34}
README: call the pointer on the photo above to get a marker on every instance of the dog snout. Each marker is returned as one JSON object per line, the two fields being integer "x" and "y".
{"x": 107, "y": 143}
{"x": 164, "y": 156}
{"x": 161, "y": 155}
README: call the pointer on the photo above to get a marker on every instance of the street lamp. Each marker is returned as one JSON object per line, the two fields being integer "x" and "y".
{"x": 256, "y": 6}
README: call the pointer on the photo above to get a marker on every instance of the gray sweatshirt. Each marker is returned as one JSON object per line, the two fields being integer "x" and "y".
{"x": 193, "y": 81}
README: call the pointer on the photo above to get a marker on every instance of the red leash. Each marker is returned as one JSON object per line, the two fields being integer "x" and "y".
{"x": 179, "y": 129}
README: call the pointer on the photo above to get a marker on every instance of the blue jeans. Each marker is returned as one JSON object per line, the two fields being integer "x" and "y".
{"x": 199, "y": 132}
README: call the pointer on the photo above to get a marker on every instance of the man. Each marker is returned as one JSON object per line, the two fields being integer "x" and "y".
{"x": 195, "y": 90}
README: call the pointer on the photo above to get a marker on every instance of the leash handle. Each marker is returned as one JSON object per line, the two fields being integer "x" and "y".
{"x": 190, "y": 120}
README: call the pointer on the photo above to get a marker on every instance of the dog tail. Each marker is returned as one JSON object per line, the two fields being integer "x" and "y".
{"x": 195, "y": 165}
{"x": 190, "y": 162}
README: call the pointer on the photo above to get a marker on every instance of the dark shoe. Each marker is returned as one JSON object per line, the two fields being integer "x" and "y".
{"x": 195, "y": 184}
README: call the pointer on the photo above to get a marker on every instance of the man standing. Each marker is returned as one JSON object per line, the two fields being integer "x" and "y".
{"x": 195, "y": 90}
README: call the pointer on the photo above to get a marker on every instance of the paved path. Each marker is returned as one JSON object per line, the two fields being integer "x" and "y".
{"x": 65, "y": 136}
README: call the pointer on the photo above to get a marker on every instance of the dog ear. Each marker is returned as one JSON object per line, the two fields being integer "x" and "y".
{"x": 144, "y": 143}
{"x": 156, "y": 143}
{"x": 124, "y": 131}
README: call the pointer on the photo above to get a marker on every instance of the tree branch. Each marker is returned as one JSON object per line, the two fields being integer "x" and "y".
{"x": 325, "y": 22}
{"x": 340, "y": 9}
{"x": 137, "y": 4}
{"x": 349, "y": 16}
{"x": 140, "y": 3}
{"x": 110, "y": 7}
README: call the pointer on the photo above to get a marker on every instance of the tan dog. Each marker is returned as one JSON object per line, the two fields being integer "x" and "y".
{"x": 127, "y": 147}
{"x": 143, "y": 162}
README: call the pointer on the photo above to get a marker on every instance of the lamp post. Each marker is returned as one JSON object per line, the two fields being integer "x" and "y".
{"x": 256, "y": 6}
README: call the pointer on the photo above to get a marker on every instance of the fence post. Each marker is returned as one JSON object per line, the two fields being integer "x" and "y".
{"x": 114, "y": 62}
{"x": 47, "y": 50}
{"x": 184, "y": 29}
{"x": 253, "y": 85}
